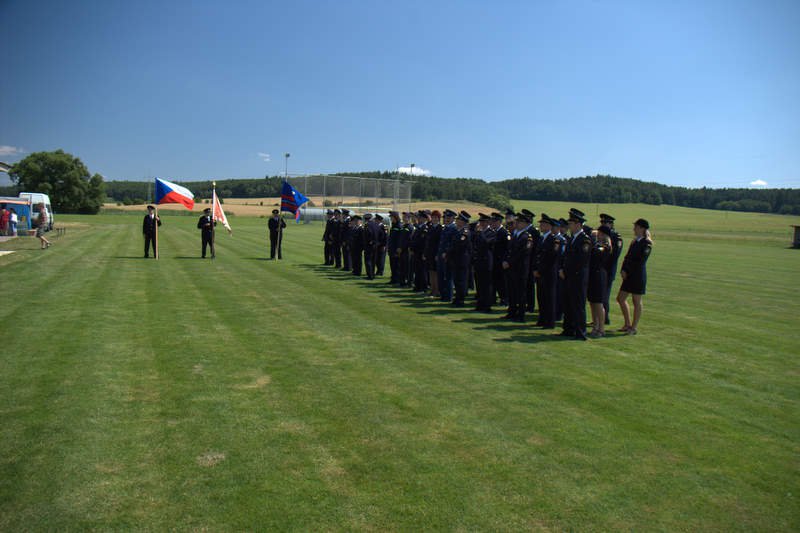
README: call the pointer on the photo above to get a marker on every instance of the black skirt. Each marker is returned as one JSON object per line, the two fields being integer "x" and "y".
{"x": 598, "y": 282}
{"x": 635, "y": 284}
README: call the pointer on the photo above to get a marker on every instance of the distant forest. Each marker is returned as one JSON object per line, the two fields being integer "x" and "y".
{"x": 500, "y": 194}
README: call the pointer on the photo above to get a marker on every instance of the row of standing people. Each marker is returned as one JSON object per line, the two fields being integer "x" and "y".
{"x": 555, "y": 265}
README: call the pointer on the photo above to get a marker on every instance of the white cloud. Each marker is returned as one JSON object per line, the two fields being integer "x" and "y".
{"x": 264, "y": 157}
{"x": 10, "y": 150}
{"x": 758, "y": 183}
{"x": 415, "y": 171}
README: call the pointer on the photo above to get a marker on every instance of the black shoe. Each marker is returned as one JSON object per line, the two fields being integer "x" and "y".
{"x": 608, "y": 322}
{"x": 566, "y": 333}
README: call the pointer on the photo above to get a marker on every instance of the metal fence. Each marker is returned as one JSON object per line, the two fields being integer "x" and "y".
{"x": 360, "y": 194}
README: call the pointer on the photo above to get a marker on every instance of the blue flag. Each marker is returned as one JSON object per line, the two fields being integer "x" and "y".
{"x": 291, "y": 199}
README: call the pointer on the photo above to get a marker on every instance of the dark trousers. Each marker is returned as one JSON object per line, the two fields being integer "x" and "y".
{"x": 147, "y": 240}
{"x": 445, "y": 279}
{"x": 336, "y": 250}
{"x": 576, "y": 304}
{"x": 380, "y": 260}
{"x": 355, "y": 260}
{"x": 208, "y": 240}
{"x": 274, "y": 246}
{"x": 347, "y": 263}
{"x": 484, "y": 291}
{"x": 517, "y": 286}
{"x": 369, "y": 261}
{"x": 530, "y": 294}
{"x": 460, "y": 274}
{"x": 546, "y": 290}
{"x": 499, "y": 283}
{"x": 561, "y": 298}
{"x": 394, "y": 266}
{"x": 420, "y": 273}
{"x": 328, "y": 253}
{"x": 405, "y": 275}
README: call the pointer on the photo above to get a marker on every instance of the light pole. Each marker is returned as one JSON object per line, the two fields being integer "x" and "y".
{"x": 286, "y": 166}
{"x": 412, "y": 168}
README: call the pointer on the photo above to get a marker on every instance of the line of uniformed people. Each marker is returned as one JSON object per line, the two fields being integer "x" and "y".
{"x": 554, "y": 267}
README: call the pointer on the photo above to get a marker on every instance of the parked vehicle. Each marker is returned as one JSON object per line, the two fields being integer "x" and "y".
{"x": 36, "y": 198}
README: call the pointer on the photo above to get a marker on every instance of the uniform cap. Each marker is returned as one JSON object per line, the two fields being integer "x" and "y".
{"x": 274, "y": 211}
{"x": 367, "y": 216}
{"x": 546, "y": 219}
{"x": 575, "y": 217}
{"x": 150, "y": 207}
{"x": 606, "y": 218}
{"x": 642, "y": 223}
{"x": 530, "y": 214}
{"x": 483, "y": 216}
{"x": 522, "y": 216}
{"x": 207, "y": 210}
{"x": 463, "y": 215}
{"x": 450, "y": 213}
{"x": 378, "y": 217}
{"x": 578, "y": 212}
{"x": 329, "y": 212}
{"x": 562, "y": 222}
{"x": 497, "y": 216}
{"x": 345, "y": 211}
{"x": 337, "y": 212}
{"x": 510, "y": 212}
{"x": 355, "y": 217}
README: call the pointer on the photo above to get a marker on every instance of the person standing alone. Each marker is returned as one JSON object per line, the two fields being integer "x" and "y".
{"x": 206, "y": 226}
{"x": 276, "y": 225}
{"x": 149, "y": 230}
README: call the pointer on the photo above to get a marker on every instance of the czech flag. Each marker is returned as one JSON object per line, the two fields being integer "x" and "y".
{"x": 291, "y": 200}
{"x": 172, "y": 193}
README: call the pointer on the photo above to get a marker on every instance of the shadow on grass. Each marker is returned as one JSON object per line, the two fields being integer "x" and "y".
{"x": 130, "y": 257}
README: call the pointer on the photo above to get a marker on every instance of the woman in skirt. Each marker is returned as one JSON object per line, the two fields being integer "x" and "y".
{"x": 599, "y": 263}
{"x": 634, "y": 275}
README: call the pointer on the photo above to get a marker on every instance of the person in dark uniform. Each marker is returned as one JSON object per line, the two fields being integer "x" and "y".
{"x": 151, "y": 220}
{"x": 395, "y": 235}
{"x": 517, "y": 264}
{"x": 345, "y": 227}
{"x": 406, "y": 270}
{"x": 616, "y": 243}
{"x": 530, "y": 295}
{"x": 499, "y": 252}
{"x": 327, "y": 238}
{"x": 559, "y": 233}
{"x": 443, "y": 269}
{"x": 634, "y": 275}
{"x": 419, "y": 237}
{"x": 599, "y": 263}
{"x": 483, "y": 263}
{"x": 458, "y": 257}
{"x": 370, "y": 233}
{"x": 431, "y": 249}
{"x": 575, "y": 273}
{"x": 206, "y": 226}
{"x": 545, "y": 272}
{"x": 356, "y": 243}
{"x": 276, "y": 225}
{"x": 336, "y": 239}
{"x": 380, "y": 253}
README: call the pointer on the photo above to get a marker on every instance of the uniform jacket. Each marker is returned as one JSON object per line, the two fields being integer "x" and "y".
{"x": 577, "y": 255}
{"x": 635, "y": 260}
{"x": 483, "y": 249}
{"x": 201, "y": 224}
{"x": 148, "y": 225}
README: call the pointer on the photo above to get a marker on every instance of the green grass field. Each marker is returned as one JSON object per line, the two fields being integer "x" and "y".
{"x": 244, "y": 394}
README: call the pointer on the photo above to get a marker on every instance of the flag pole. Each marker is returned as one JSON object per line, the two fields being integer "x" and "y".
{"x": 155, "y": 220}
{"x": 280, "y": 235}
{"x": 213, "y": 219}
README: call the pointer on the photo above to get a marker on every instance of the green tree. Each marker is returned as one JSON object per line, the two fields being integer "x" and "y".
{"x": 64, "y": 178}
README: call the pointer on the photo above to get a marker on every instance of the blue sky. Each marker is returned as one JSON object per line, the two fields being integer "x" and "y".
{"x": 681, "y": 92}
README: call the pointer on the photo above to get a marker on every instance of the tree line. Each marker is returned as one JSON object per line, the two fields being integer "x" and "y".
{"x": 72, "y": 189}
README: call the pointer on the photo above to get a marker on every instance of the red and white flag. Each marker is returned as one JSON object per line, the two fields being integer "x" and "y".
{"x": 218, "y": 213}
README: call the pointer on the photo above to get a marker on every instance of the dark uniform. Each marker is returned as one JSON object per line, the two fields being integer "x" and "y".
{"x": 406, "y": 272}
{"x": 458, "y": 259}
{"x": 380, "y": 254}
{"x": 336, "y": 238}
{"x": 635, "y": 266}
{"x": 418, "y": 239}
{"x": 395, "y": 235}
{"x": 276, "y": 225}
{"x": 432, "y": 247}
{"x": 327, "y": 238}
{"x": 149, "y": 231}
{"x": 356, "y": 238}
{"x": 576, "y": 273}
{"x": 548, "y": 253}
{"x": 483, "y": 265}
{"x": 344, "y": 238}
{"x": 206, "y": 226}
{"x": 561, "y": 287}
{"x": 443, "y": 269}
{"x": 617, "y": 244}
{"x": 499, "y": 252}
{"x": 370, "y": 233}
{"x": 519, "y": 259}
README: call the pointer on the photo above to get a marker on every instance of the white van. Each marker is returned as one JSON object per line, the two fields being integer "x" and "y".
{"x": 36, "y": 198}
